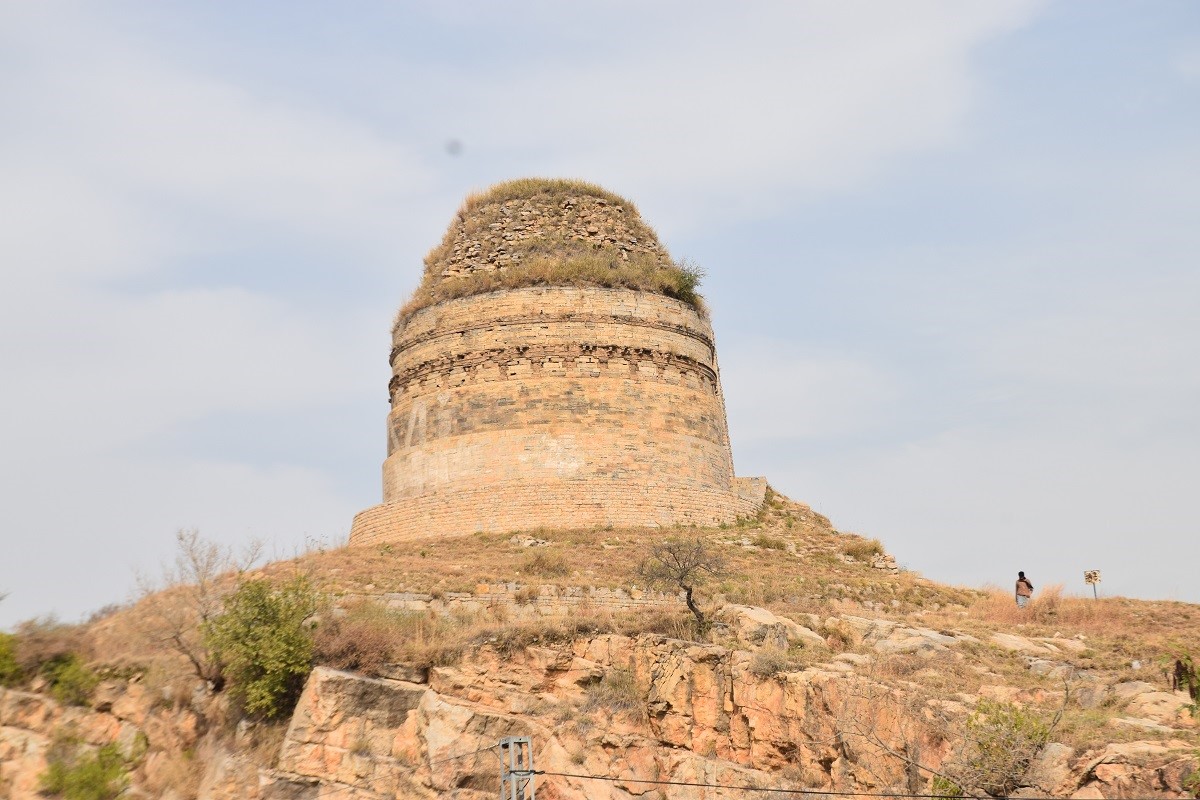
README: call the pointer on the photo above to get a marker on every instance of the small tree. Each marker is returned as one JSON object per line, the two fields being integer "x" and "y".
{"x": 683, "y": 564}
{"x": 1001, "y": 743}
{"x": 263, "y": 642}
{"x": 191, "y": 595}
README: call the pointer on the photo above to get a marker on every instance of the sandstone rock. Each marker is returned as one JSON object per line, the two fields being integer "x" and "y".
{"x": 1131, "y": 689}
{"x": 1010, "y": 641}
{"x": 757, "y": 626}
{"x": 1161, "y": 707}
{"x": 1143, "y": 724}
{"x": 1052, "y": 771}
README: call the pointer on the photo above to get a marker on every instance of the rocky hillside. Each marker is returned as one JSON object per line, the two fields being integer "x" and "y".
{"x": 822, "y": 666}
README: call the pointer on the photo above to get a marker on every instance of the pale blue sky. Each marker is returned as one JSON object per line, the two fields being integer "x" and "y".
{"x": 951, "y": 253}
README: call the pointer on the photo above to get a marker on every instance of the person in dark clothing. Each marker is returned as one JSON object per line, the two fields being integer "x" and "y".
{"x": 1024, "y": 590}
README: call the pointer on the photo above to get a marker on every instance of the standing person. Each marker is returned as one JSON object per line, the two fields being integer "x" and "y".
{"x": 1024, "y": 590}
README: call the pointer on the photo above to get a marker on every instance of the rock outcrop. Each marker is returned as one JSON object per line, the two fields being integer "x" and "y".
{"x": 627, "y": 710}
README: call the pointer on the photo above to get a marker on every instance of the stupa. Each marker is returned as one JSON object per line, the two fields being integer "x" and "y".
{"x": 555, "y": 369}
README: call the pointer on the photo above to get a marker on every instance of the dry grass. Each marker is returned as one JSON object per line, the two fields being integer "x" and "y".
{"x": 563, "y": 262}
{"x": 863, "y": 549}
{"x": 619, "y": 693}
{"x": 805, "y": 576}
{"x": 554, "y": 258}
{"x": 545, "y": 565}
{"x": 523, "y": 188}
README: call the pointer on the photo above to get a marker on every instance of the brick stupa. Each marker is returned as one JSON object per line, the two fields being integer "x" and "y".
{"x": 554, "y": 369}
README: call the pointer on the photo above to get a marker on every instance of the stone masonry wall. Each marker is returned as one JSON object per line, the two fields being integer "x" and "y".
{"x": 527, "y": 507}
{"x": 495, "y": 234}
{"x": 558, "y": 407}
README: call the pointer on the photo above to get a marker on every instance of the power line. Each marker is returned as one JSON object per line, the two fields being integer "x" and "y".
{"x": 750, "y": 788}
{"x": 458, "y": 757}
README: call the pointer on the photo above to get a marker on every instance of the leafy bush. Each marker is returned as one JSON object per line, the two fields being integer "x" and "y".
{"x": 10, "y": 670}
{"x": 942, "y": 786}
{"x": 1001, "y": 742}
{"x": 71, "y": 681}
{"x": 74, "y": 775}
{"x": 262, "y": 640}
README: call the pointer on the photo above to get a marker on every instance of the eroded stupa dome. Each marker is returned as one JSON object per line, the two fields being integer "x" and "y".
{"x": 554, "y": 369}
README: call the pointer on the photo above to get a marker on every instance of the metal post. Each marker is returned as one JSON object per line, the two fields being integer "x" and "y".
{"x": 516, "y": 769}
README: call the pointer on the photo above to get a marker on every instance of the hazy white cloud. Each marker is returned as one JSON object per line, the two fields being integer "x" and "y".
{"x": 1051, "y": 419}
{"x": 121, "y": 165}
{"x": 777, "y": 391}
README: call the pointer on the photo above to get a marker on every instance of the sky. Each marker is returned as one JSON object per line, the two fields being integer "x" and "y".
{"x": 951, "y": 254}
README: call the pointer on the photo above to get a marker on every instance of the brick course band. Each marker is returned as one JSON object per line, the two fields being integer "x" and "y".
{"x": 583, "y": 360}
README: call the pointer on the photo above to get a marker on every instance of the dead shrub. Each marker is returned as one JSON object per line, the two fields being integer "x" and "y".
{"x": 44, "y": 643}
{"x": 862, "y": 549}
{"x": 769, "y": 662}
{"x": 545, "y": 564}
{"x": 365, "y": 639}
{"x": 618, "y": 692}
{"x": 769, "y": 542}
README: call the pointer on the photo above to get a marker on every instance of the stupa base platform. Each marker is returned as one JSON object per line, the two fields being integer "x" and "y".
{"x": 501, "y": 509}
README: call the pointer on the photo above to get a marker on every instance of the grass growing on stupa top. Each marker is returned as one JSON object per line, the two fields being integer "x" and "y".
{"x": 554, "y": 258}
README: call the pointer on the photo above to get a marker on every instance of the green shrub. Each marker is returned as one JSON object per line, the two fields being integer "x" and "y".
{"x": 942, "y": 786}
{"x": 1191, "y": 781}
{"x": 262, "y": 640}
{"x": 10, "y": 670}
{"x": 71, "y": 681}
{"x": 73, "y": 775}
{"x": 1002, "y": 741}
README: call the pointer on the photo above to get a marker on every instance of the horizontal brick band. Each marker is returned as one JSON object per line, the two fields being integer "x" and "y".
{"x": 580, "y": 360}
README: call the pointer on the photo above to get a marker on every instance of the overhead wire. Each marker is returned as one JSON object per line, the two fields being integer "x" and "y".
{"x": 776, "y": 790}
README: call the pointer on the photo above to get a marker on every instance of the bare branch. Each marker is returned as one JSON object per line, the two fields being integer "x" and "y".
{"x": 683, "y": 563}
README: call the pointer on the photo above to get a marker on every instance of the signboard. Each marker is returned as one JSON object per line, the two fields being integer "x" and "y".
{"x": 1091, "y": 576}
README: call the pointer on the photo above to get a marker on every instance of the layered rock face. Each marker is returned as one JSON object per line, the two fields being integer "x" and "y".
{"x": 555, "y": 406}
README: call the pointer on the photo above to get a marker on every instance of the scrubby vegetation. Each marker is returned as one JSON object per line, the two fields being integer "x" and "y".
{"x": 554, "y": 257}
{"x": 267, "y": 629}
{"x": 10, "y": 670}
{"x": 1000, "y": 743}
{"x": 263, "y": 642}
{"x": 618, "y": 692}
{"x": 75, "y": 773}
{"x": 863, "y": 549}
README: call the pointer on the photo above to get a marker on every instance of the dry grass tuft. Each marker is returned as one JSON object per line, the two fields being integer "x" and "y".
{"x": 1048, "y": 607}
{"x": 618, "y": 692}
{"x": 863, "y": 549}
{"x": 523, "y": 188}
{"x": 561, "y": 262}
{"x": 555, "y": 256}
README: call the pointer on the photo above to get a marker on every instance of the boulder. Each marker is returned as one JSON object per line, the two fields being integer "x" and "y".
{"x": 755, "y": 626}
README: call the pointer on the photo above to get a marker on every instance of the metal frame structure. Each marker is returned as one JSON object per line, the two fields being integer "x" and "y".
{"x": 517, "y": 777}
